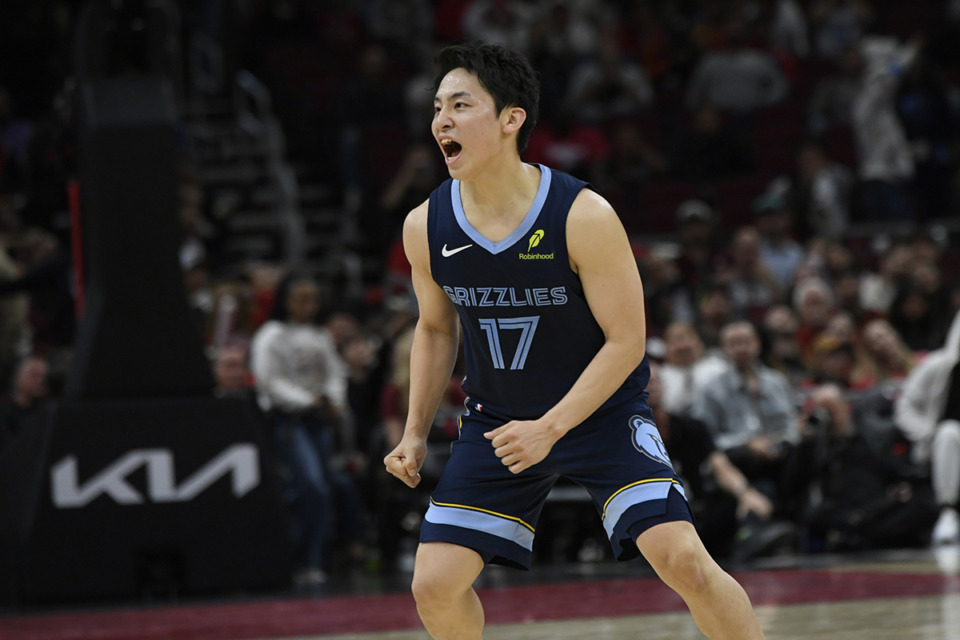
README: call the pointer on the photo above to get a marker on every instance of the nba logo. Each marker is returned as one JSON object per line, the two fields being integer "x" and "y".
{"x": 646, "y": 439}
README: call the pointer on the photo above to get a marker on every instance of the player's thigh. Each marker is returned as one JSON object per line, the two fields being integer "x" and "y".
{"x": 444, "y": 569}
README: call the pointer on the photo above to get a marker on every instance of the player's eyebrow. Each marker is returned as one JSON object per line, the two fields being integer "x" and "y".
{"x": 454, "y": 96}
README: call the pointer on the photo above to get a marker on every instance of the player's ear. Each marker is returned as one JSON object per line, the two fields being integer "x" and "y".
{"x": 512, "y": 118}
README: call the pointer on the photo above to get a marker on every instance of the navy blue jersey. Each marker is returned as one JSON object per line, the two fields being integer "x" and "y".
{"x": 528, "y": 331}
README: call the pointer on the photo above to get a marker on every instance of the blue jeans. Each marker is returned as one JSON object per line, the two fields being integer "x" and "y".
{"x": 303, "y": 452}
{"x": 318, "y": 497}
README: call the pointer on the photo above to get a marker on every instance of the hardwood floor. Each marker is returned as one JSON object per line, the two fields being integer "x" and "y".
{"x": 893, "y": 596}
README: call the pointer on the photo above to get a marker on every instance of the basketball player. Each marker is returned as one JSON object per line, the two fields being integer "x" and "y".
{"x": 539, "y": 272}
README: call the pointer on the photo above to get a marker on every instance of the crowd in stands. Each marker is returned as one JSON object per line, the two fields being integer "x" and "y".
{"x": 788, "y": 171}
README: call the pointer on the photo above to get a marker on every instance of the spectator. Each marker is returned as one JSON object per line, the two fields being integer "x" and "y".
{"x": 838, "y": 261}
{"x": 862, "y": 492}
{"x": 750, "y": 412}
{"x": 831, "y": 105}
{"x": 645, "y": 33}
{"x": 359, "y": 352}
{"x": 686, "y": 367}
{"x": 846, "y": 288}
{"x": 787, "y": 28}
{"x": 27, "y": 400}
{"x": 418, "y": 100}
{"x": 735, "y": 79}
{"x": 928, "y": 414}
{"x": 699, "y": 258}
{"x": 878, "y": 290}
{"x": 360, "y": 436}
{"x": 752, "y": 286}
{"x": 15, "y": 337}
{"x": 569, "y": 144}
{"x": 926, "y": 247}
{"x": 391, "y": 507}
{"x": 665, "y": 297}
{"x": 918, "y": 313}
{"x": 892, "y": 359}
{"x": 824, "y": 193}
{"x": 417, "y": 175}
{"x": 375, "y": 90}
{"x": 839, "y": 357}
{"x": 719, "y": 494}
{"x": 886, "y": 164}
{"x": 782, "y": 353}
{"x": 838, "y": 25}
{"x": 711, "y": 150}
{"x": 563, "y": 34}
{"x": 498, "y": 21}
{"x": 707, "y": 27}
{"x": 301, "y": 383}
{"x": 201, "y": 225}
{"x": 230, "y": 320}
{"x": 814, "y": 303}
{"x": 341, "y": 325}
{"x": 608, "y": 85}
{"x": 264, "y": 278}
{"x": 47, "y": 279}
{"x": 633, "y": 162}
{"x": 396, "y": 390}
{"x": 927, "y": 278}
{"x": 200, "y": 300}
{"x": 780, "y": 253}
{"x": 396, "y": 506}
{"x": 714, "y": 311}
{"x": 231, "y": 374}
{"x": 401, "y": 24}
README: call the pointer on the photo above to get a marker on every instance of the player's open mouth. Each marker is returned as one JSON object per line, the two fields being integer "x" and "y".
{"x": 451, "y": 150}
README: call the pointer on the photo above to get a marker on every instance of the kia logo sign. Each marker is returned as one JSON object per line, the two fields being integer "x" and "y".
{"x": 240, "y": 461}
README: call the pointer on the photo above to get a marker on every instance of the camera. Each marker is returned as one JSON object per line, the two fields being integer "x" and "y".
{"x": 820, "y": 422}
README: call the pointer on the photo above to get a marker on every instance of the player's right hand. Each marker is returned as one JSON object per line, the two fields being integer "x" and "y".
{"x": 405, "y": 460}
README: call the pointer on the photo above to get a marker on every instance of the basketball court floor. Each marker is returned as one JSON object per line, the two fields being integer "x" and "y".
{"x": 906, "y": 595}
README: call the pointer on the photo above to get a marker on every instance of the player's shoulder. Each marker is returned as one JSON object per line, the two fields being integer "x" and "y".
{"x": 415, "y": 242}
{"x": 417, "y": 217}
{"x": 589, "y": 203}
{"x": 590, "y": 209}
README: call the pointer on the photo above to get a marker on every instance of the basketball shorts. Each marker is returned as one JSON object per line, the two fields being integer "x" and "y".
{"x": 616, "y": 455}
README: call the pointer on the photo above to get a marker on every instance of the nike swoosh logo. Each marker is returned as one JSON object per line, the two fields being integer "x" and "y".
{"x": 446, "y": 253}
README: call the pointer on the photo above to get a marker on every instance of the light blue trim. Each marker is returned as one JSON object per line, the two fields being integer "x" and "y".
{"x": 528, "y": 222}
{"x": 633, "y": 496}
{"x": 481, "y": 521}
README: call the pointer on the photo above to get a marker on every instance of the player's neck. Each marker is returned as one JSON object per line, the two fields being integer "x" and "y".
{"x": 504, "y": 191}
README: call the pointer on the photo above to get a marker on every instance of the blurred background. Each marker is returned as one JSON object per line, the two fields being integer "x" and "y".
{"x": 205, "y": 311}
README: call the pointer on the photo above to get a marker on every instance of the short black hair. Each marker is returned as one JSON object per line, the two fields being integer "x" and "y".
{"x": 286, "y": 285}
{"x": 504, "y": 73}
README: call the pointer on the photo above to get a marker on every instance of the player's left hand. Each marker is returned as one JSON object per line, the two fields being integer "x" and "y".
{"x": 520, "y": 444}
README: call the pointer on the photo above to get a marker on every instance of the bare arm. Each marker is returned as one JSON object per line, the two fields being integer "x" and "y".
{"x": 600, "y": 253}
{"x": 435, "y": 342}
{"x": 731, "y": 480}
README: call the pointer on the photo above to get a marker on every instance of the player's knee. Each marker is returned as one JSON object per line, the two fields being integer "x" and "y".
{"x": 433, "y": 589}
{"x": 684, "y": 566}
